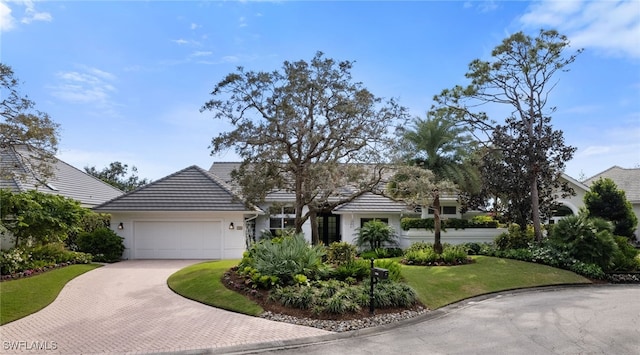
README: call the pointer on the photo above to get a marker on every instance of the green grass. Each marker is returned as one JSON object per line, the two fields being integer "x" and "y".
{"x": 436, "y": 286}
{"x": 203, "y": 283}
{"x": 22, "y": 297}
{"x": 439, "y": 286}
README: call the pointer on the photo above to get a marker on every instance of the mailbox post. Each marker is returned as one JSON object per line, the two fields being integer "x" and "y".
{"x": 377, "y": 274}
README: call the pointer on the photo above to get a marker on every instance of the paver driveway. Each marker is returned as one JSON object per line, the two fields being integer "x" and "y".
{"x": 127, "y": 307}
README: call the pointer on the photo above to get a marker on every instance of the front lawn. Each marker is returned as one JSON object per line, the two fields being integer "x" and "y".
{"x": 203, "y": 283}
{"x": 436, "y": 286}
{"x": 19, "y": 298}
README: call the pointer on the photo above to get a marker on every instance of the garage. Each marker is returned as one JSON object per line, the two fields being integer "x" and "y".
{"x": 190, "y": 214}
{"x": 177, "y": 240}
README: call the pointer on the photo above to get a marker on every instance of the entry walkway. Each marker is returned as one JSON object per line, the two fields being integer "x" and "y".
{"x": 127, "y": 307}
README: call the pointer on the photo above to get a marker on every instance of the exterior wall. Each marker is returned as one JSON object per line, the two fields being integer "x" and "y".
{"x": 451, "y": 236}
{"x": 349, "y": 224}
{"x": 233, "y": 241}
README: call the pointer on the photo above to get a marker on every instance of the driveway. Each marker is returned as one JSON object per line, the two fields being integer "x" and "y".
{"x": 572, "y": 320}
{"x": 127, "y": 307}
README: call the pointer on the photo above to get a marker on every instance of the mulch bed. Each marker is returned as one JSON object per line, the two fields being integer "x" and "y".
{"x": 236, "y": 282}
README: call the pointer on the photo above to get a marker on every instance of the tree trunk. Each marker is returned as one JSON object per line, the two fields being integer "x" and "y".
{"x": 313, "y": 219}
{"x": 535, "y": 210}
{"x": 437, "y": 245}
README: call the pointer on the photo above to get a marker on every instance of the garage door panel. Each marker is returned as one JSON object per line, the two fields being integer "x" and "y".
{"x": 177, "y": 240}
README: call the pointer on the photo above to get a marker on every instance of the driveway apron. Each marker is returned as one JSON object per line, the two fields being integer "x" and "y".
{"x": 127, "y": 307}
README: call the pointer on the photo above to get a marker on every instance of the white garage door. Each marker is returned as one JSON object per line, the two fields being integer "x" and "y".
{"x": 177, "y": 240}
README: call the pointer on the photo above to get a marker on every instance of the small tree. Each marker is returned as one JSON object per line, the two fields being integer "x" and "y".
{"x": 418, "y": 187}
{"x": 41, "y": 217}
{"x": 605, "y": 200}
{"x": 376, "y": 234}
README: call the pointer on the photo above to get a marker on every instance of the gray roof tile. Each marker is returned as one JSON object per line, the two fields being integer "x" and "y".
{"x": 627, "y": 180}
{"x": 66, "y": 181}
{"x": 190, "y": 189}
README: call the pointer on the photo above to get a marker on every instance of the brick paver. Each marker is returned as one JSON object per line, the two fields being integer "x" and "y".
{"x": 127, "y": 307}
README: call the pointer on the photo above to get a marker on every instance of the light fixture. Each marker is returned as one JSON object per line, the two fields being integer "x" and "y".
{"x": 231, "y": 226}
{"x": 120, "y": 226}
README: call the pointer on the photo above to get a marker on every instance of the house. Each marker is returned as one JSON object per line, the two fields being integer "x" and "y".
{"x": 66, "y": 180}
{"x": 17, "y": 176}
{"x": 190, "y": 214}
{"x": 627, "y": 180}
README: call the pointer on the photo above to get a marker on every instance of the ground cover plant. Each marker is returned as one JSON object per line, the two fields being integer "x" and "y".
{"x": 422, "y": 253}
{"x": 29, "y": 260}
{"x": 28, "y": 295}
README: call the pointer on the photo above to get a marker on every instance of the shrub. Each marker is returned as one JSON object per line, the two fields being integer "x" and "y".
{"x": 393, "y": 266}
{"x": 422, "y": 253}
{"x": 588, "y": 270}
{"x": 340, "y": 253}
{"x": 514, "y": 238}
{"x": 625, "y": 257}
{"x": 376, "y": 234}
{"x": 357, "y": 269}
{"x": 13, "y": 260}
{"x": 381, "y": 253}
{"x": 472, "y": 248}
{"x": 286, "y": 257}
{"x": 103, "y": 243}
{"x": 455, "y": 223}
{"x": 586, "y": 239}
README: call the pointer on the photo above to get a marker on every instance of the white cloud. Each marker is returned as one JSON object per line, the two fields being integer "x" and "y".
{"x": 86, "y": 86}
{"x": 612, "y": 27}
{"x": 201, "y": 54}
{"x": 8, "y": 21}
{"x": 243, "y": 21}
{"x": 194, "y": 26}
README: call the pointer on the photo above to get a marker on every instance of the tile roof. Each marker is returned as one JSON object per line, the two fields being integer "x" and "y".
{"x": 190, "y": 189}
{"x": 370, "y": 202}
{"x": 627, "y": 180}
{"x": 66, "y": 181}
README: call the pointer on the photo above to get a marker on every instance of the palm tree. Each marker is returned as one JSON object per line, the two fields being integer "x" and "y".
{"x": 441, "y": 146}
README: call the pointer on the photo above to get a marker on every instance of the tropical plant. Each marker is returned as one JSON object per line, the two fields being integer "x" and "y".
{"x": 376, "y": 234}
{"x": 286, "y": 257}
{"x": 586, "y": 239}
{"x": 340, "y": 253}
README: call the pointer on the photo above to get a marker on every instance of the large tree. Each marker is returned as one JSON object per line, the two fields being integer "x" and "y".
{"x": 520, "y": 75}
{"x": 303, "y": 129}
{"x": 22, "y": 125}
{"x": 117, "y": 175}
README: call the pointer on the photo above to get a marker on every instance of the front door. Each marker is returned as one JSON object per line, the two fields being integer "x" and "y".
{"x": 329, "y": 228}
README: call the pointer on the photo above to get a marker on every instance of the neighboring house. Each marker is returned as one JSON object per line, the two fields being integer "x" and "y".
{"x": 627, "y": 180}
{"x": 190, "y": 214}
{"x": 66, "y": 181}
{"x": 569, "y": 205}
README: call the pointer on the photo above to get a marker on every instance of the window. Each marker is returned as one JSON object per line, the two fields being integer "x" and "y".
{"x": 449, "y": 210}
{"x": 280, "y": 218}
{"x": 365, "y": 220}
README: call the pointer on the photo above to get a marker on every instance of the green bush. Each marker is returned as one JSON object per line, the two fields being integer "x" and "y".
{"x": 381, "y": 253}
{"x": 588, "y": 270}
{"x": 13, "y": 260}
{"x": 393, "y": 266}
{"x": 422, "y": 253}
{"x": 625, "y": 257}
{"x": 340, "y": 253}
{"x": 586, "y": 239}
{"x": 455, "y": 223}
{"x": 22, "y": 259}
{"x": 336, "y": 297}
{"x": 515, "y": 238}
{"x": 357, "y": 269}
{"x": 286, "y": 257}
{"x": 103, "y": 243}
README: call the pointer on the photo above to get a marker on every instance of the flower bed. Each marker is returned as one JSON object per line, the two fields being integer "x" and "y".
{"x": 36, "y": 271}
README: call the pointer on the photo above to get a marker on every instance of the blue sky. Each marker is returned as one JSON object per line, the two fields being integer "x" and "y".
{"x": 126, "y": 79}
